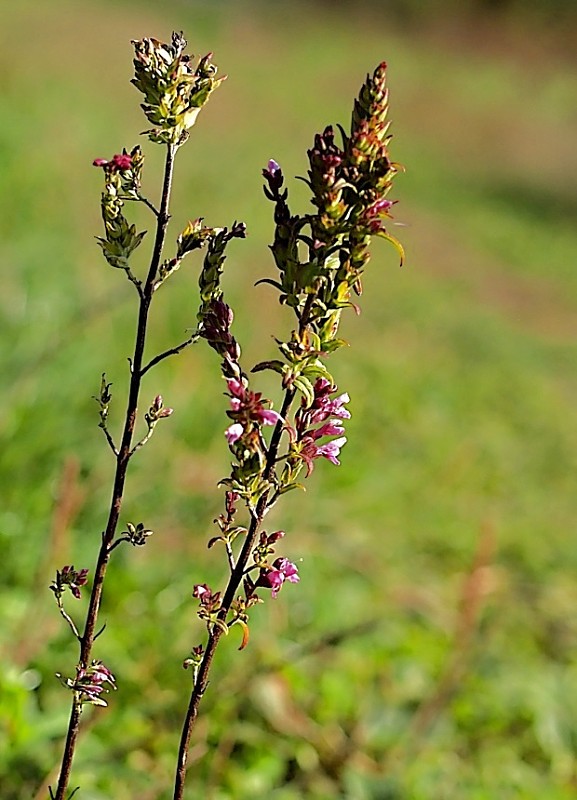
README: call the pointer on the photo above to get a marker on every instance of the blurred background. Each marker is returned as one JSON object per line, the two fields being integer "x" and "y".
{"x": 430, "y": 648}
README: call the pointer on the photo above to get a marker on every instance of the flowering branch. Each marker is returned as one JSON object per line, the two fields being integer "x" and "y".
{"x": 349, "y": 185}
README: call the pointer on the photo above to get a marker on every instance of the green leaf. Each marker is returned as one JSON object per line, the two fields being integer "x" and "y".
{"x": 395, "y": 243}
{"x": 276, "y": 365}
{"x": 306, "y": 388}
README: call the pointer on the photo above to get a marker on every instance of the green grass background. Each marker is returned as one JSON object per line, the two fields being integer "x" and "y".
{"x": 430, "y": 648}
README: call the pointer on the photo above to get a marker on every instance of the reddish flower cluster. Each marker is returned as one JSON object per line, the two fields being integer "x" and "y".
{"x": 282, "y": 570}
{"x": 158, "y": 410}
{"x": 70, "y": 578}
{"x": 118, "y": 163}
{"x": 92, "y": 682}
{"x": 209, "y": 600}
{"x": 216, "y": 324}
{"x": 317, "y": 414}
{"x": 248, "y": 412}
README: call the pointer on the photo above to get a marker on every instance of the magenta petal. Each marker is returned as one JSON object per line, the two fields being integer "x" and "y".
{"x": 270, "y": 417}
{"x": 334, "y": 427}
{"x": 331, "y": 450}
{"x": 122, "y": 161}
{"x": 235, "y": 387}
{"x": 234, "y": 432}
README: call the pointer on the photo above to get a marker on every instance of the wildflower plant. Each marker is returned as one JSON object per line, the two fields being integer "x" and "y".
{"x": 320, "y": 257}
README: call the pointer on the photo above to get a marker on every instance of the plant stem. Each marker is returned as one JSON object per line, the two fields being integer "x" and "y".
{"x": 122, "y": 459}
{"x": 201, "y": 679}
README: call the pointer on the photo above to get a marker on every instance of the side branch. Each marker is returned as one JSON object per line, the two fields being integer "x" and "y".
{"x": 109, "y": 439}
{"x": 173, "y": 351}
{"x": 123, "y": 455}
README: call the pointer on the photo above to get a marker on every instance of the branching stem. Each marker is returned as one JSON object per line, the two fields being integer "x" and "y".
{"x": 68, "y": 619}
{"x": 123, "y": 455}
{"x": 173, "y": 351}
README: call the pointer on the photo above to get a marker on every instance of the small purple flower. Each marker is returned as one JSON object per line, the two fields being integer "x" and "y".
{"x": 283, "y": 570}
{"x": 331, "y": 450}
{"x": 158, "y": 410}
{"x": 269, "y": 417}
{"x": 323, "y": 417}
{"x": 215, "y": 328}
{"x": 69, "y": 577}
{"x": 334, "y": 427}
{"x": 233, "y": 433}
{"x": 309, "y": 451}
{"x": 273, "y": 167}
{"x": 275, "y": 179}
{"x": 201, "y": 590}
{"x": 323, "y": 406}
{"x": 91, "y": 682}
{"x": 380, "y": 208}
{"x": 238, "y": 230}
{"x": 101, "y": 674}
{"x": 336, "y": 408}
{"x": 275, "y": 580}
{"x": 209, "y": 600}
{"x": 121, "y": 162}
{"x": 236, "y": 388}
{"x": 288, "y": 569}
{"x": 230, "y": 500}
{"x": 247, "y": 409}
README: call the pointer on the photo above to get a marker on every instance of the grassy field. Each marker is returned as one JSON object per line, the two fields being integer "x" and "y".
{"x": 430, "y": 650}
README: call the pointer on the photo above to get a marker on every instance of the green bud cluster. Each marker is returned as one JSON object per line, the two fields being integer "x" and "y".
{"x": 212, "y": 269}
{"x": 174, "y": 92}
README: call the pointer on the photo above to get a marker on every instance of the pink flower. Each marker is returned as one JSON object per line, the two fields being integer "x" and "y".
{"x": 248, "y": 407}
{"x": 272, "y": 167}
{"x": 334, "y": 427}
{"x": 288, "y": 569}
{"x": 269, "y": 417}
{"x": 275, "y": 580}
{"x": 72, "y": 578}
{"x": 201, "y": 589}
{"x": 323, "y": 406}
{"x": 101, "y": 674}
{"x": 331, "y": 450}
{"x": 209, "y": 601}
{"x": 234, "y": 432}
{"x": 380, "y": 208}
{"x": 121, "y": 161}
{"x": 90, "y": 683}
{"x": 336, "y": 406}
{"x": 283, "y": 570}
{"x": 236, "y": 388}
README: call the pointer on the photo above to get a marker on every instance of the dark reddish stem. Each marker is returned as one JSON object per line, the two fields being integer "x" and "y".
{"x": 122, "y": 459}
